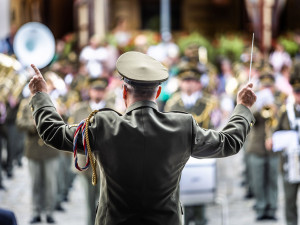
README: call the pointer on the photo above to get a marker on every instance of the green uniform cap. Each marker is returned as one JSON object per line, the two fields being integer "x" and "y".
{"x": 98, "y": 83}
{"x": 140, "y": 68}
{"x": 266, "y": 77}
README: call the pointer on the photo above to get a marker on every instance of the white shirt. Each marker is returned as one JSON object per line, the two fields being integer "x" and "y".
{"x": 93, "y": 59}
{"x": 190, "y": 100}
{"x": 96, "y": 106}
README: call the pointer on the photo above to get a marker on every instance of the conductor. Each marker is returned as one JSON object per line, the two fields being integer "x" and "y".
{"x": 141, "y": 154}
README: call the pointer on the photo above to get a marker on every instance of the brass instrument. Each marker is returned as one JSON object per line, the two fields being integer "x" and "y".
{"x": 204, "y": 117}
{"x": 12, "y": 80}
{"x": 33, "y": 43}
{"x": 268, "y": 112}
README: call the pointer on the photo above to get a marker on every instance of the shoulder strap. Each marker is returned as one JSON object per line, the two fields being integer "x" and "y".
{"x": 108, "y": 109}
{"x": 291, "y": 115}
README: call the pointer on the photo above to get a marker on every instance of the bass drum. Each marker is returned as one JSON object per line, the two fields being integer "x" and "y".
{"x": 198, "y": 182}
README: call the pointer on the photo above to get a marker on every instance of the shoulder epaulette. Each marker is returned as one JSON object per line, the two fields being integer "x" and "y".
{"x": 175, "y": 111}
{"x": 92, "y": 117}
{"x": 109, "y": 109}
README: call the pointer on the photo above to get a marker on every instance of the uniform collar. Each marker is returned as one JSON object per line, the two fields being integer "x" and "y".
{"x": 141, "y": 104}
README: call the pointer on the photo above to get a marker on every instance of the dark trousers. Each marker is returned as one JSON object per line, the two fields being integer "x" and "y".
{"x": 264, "y": 175}
{"x": 290, "y": 200}
{"x": 0, "y": 160}
{"x": 3, "y": 136}
{"x": 194, "y": 215}
{"x": 15, "y": 145}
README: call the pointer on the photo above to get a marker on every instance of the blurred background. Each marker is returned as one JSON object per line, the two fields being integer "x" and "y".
{"x": 207, "y": 47}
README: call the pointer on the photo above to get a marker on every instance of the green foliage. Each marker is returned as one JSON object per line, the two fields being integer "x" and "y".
{"x": 231, "y": 46}
{"x": 289, "y": 45}
{"x": 197, "y": 39}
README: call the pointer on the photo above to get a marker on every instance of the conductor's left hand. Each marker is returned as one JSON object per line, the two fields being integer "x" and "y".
{"x": 37, "y": 82}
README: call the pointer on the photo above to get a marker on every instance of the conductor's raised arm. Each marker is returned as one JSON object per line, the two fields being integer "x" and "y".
{"x": 214, "y": 144}
{"x": 49, "y": 123}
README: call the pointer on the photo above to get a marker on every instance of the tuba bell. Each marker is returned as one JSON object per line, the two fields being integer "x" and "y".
{"x": 34, "y": 43}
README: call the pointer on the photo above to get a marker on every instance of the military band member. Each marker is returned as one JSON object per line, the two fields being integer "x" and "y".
{"x": 193, "y": 100}
{"x": 289, "y": 120}
{"x": 79, "y": 112}
{"x": 141, "y": 154}
{"x": 43, "y": 162}
{"x": 263, "y": 162}
{"x": 114, "y": 97}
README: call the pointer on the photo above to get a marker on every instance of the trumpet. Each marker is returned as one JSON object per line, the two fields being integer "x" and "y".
{"x": 267, "y": 112}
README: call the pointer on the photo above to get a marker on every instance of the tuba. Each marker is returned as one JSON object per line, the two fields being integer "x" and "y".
{"x": 12, "y": 80}
{"x": 33, "y": 43}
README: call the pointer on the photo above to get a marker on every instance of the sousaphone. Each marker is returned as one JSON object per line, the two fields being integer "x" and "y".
{"x": 34, "y": 43}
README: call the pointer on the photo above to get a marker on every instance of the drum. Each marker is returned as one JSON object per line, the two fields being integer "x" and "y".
{"x": 198, "y": 182}
{"x": 291, "y": 165}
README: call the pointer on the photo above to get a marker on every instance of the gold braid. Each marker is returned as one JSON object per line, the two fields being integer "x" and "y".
{"x": 90, "y": 154}
{"x": 204, "y": 116}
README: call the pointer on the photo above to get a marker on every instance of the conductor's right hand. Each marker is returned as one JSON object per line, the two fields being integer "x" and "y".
{"x": 37, "y": 82}
{"x": 246, "y": 96}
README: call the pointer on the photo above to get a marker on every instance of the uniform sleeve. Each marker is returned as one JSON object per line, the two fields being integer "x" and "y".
{"x": 228, "y": 141}
{"x": 283, "y": 122}
{"x": 50, "y": 126}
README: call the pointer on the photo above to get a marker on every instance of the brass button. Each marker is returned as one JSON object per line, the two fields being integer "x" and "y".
{"x": 251, "y": 124}
{"x": 32, "y": 108}
{"x": 40, "y": 142}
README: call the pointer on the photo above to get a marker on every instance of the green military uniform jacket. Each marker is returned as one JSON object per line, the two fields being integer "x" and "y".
{"x": 141, "y": 155}
{"x": 283, "y": 122}
{"x": 35, "y": 148}
{"x": 81, "y": 111}
{"x": 257, "y": 137}
{"x": 261, "y": 131}
{"x": 201, "y": 110}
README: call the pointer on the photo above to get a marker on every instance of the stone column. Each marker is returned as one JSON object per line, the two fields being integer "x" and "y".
{"x": 267, "y": 24}
{"x": 4, "y": 22}
{"x": 165, "y": 20}
{"x": 101, "y": 22}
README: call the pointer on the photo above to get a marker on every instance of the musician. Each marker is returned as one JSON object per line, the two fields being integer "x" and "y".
{"x": 289, "y": 118}
{"x": 193, "y": 100}
{"x": 141, "y": 153}
{"x": 94, "y": 56}
{"x": 79, "y": 112}
{"x": 42, "y": 164}
{"x": 263, "y": 162}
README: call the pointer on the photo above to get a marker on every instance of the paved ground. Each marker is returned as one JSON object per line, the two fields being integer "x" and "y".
{"x": 234, "y": 210}
{"x": 17, "y": 198}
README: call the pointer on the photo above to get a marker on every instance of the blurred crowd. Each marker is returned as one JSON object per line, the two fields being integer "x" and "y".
{"x": 80, "y": 81}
